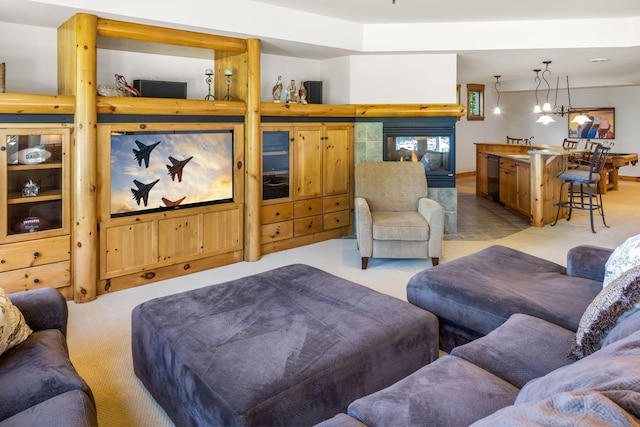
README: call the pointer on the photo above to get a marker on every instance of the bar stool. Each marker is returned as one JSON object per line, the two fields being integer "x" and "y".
{"x": 587, "y": 179}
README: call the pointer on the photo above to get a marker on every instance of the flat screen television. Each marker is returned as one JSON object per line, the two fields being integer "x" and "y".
{"x": 154, "y": 171}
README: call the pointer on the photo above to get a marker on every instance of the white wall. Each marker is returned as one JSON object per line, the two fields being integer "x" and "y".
{"x": 31, "y": 57}
{"x": 298, "y": 69}
{"x": 410, "y": 79}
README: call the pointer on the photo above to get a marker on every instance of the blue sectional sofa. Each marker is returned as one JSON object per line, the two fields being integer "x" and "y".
{"x": 38, "y": 384}
{"x": 524, "y": 371}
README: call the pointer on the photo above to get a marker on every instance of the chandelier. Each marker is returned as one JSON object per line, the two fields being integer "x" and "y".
{"x": 546, "y": 111}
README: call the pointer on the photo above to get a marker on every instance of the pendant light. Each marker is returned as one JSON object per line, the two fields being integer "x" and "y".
{"x": 537, "y": 108}
{"x": 497, "y": 85}
{"x": 546, "y": 107}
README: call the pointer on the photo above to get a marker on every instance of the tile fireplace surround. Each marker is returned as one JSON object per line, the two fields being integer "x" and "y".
{"x": 368, "y": 148}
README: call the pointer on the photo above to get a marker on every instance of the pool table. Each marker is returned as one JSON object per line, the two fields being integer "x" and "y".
{"x": 614, "y": 162}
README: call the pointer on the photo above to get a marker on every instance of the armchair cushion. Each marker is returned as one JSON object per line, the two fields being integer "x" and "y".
{"x": 399, "y": 226}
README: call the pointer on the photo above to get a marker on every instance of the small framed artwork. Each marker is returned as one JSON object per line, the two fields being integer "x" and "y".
{"x": 600, "y": 126}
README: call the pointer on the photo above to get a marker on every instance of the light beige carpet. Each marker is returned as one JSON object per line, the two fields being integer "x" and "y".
{"x": 99, "y": 333}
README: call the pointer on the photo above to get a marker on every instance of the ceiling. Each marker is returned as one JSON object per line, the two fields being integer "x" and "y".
{"x": 474, "y": 66}
{"x": 515, "y": 66}
{"x": 406, "y": 11}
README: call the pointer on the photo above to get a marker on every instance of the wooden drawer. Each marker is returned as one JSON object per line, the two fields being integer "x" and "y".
{"x": 33, "y": 253}
{"x": 307, "y": 225}
{"x": 277, "y": 231}
{"x": 336, "y": 220}
{"x": 276, "y": 213}
{"x": 336, "y": 203}
{"x": 306, "y": 208}
{"x": 54, "y": 275}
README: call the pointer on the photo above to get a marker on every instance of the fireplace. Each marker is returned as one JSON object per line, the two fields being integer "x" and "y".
{"x": 428, "y": 140}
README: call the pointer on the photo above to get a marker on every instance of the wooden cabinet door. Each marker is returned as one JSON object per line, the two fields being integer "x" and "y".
{"x": 508, "y": 187}
{"x": 524, "y": 188}
{"x": 337, "y": 159}
{"x": 482, "y": 174}
{"x": 307, "y": 162}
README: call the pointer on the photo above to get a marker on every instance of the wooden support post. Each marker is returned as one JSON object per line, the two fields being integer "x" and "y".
{"x": 253, "y": 167}
{"x": 77, "y": 76}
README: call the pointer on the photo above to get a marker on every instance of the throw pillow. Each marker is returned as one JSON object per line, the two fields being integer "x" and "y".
{"x": 13, "y": 328}
{"x": 624, "y": 257}
{"x": 609, "y": 306}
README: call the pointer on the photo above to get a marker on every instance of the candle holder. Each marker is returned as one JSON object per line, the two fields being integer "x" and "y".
{"x": 227, "y": 80}
{"x": 209, "y": 81}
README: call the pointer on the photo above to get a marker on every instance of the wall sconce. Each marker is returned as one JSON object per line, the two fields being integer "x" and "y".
{"x": 497, "y": 85}
{"x": 209, "y": 80}
{"x": 228, "y": 73}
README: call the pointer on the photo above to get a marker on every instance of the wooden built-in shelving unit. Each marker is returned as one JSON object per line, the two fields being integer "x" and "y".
{"x": 93, "y": 269}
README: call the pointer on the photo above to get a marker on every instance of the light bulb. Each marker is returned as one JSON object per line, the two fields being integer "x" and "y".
{"x": 497, "y": 110}
{"x": 545, "y": 119}
{"x": 546, "y": 107}
{"x": 537, "y": 109}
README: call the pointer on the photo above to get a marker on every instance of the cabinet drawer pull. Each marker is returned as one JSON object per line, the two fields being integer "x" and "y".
{"x": 36, "y": 280}
{"x": 277, "y": 213}
{"x": 36, "y": 254}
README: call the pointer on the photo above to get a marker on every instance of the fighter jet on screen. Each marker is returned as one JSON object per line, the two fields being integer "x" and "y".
{"x": 172, "y": 203}
{"x": 143, "y": 191}
{"x": 143, "y": 152}
{"x": 176, "y": 167}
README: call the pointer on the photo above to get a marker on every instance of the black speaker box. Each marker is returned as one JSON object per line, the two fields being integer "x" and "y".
{"x": 160, "y": 89}
{"x": 314, "y": 91}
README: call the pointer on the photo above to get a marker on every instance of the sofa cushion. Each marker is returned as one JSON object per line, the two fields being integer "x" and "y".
{"x": 612, "y": 371}
{"x": 449, "y": 391}
{"x": 467, "y": 292}
{"x": 619, "y": 297}
{"x": 588, "y": 408}
{"x": 521, "y": 349}
{"x": 72, "y": 408}
{"x": 13, "y": 328}
{"x": 623, "y": 258}
{"x": 399, "y": 226}
{"x": 35, "y": 371}
{"x": 625, "y": 327}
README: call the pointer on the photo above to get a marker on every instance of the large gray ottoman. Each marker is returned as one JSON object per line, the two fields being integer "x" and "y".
{"x": 291, "y": 346}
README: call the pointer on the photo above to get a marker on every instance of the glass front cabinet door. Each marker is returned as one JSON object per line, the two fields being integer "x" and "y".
{"x": 35, "y": 178}
{"x": 276, "y": 164}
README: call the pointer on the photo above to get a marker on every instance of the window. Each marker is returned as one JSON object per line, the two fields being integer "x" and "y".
{"x": 475, "y": 101}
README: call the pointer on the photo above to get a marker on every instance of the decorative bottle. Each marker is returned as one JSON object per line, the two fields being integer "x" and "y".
{"x": 303, "y": 93}
{"x": 292, "y": 92}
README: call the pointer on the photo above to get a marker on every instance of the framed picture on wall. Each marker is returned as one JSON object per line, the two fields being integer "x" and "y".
{"x": 600, "y": 126}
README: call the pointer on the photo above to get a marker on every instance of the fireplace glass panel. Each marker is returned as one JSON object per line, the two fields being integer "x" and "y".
{"x": 431, "y": 151}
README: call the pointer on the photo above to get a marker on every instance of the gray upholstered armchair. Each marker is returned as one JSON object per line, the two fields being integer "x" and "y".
{"x": 394, "y": 217}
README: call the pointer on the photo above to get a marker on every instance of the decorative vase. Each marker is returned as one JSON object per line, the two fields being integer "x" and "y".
{"x": 277, "y": 90}
{"x": 303, "y": 93}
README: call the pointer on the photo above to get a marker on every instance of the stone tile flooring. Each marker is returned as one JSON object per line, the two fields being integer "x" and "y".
{"x": 483, "y": 219}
